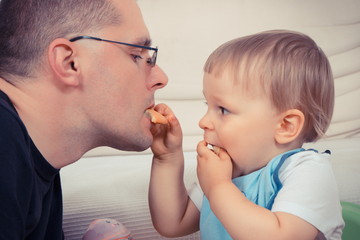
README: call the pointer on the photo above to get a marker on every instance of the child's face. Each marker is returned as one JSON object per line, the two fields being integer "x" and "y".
{"x": 242, "y": 124}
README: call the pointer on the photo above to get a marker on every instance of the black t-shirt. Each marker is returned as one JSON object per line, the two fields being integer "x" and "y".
{"x": 30, "y": 188}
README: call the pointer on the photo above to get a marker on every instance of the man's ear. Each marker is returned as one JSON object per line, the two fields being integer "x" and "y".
{"x": 61, "y": 55}
{"x": 290, "y": 125}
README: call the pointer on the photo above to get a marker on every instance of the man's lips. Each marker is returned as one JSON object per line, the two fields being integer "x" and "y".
{"x": 151, "y": 106}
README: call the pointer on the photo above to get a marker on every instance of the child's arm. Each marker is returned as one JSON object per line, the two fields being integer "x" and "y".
{"x": 242, "y": 218}
{"x": 172, "y": 212}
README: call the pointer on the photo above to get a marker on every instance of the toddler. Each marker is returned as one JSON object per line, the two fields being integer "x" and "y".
{"x": 266, "y": 95}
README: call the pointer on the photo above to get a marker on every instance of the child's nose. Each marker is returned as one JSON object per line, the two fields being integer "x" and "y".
{"x": 205, "y": 122}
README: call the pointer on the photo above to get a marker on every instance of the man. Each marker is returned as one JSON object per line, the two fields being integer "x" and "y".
{"x": 63, "y": 92}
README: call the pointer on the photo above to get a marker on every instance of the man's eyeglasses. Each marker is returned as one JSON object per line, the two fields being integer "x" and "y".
{"x": 151, "y": 60}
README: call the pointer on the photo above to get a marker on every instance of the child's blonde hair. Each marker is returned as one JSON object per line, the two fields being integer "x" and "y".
{"x": 288, "y": 67}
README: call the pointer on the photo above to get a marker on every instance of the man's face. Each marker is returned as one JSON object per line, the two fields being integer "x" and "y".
{"x": 120, "y": 85}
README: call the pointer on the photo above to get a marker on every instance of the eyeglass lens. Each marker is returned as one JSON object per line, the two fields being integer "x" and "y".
{"x": 152, "y": 60}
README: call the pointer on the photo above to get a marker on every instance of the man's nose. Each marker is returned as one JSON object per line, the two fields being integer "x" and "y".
{"x": 157, "y": 79}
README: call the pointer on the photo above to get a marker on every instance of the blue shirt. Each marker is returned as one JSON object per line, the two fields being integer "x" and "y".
{"x": 260, "y": 187}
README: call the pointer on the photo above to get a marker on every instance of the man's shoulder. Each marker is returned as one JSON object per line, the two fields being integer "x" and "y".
{"x": 8, "y": 118}
{"x": 11, "y": 126}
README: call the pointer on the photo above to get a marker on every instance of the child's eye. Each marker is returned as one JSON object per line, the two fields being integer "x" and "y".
{"x": 136, "y": 57}
{"x": 224, "y": 111}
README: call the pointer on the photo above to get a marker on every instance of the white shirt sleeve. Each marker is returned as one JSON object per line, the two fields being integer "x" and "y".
{"x": 310, "y": 192}
{"x": 196, "y": 195}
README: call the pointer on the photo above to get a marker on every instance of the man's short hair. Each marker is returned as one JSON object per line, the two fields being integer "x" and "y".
{"x": 27, "y": 27}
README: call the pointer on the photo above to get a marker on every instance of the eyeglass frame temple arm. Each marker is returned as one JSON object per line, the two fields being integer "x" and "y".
{"x": 104, "y": 40}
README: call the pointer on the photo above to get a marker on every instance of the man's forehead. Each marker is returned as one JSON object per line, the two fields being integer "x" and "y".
{"x": 132, "y": 25}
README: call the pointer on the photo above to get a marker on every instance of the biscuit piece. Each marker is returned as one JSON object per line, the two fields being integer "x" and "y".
{"x": 214, "y": 148}
{"x": 156, "y": 117}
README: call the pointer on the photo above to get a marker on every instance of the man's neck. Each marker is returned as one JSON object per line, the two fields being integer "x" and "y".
{"x": 45, "y": 116}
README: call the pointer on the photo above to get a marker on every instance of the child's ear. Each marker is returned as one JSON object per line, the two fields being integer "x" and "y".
{"x": 290, "y": 125}
{"x": 63, "y": 62}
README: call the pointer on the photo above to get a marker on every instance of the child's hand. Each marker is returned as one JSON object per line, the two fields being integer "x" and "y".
{"x": 167, "y": 137}
{"x": 213, "y": 169}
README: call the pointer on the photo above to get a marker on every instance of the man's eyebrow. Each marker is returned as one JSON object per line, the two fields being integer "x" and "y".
{"x": 146, "y": 42}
